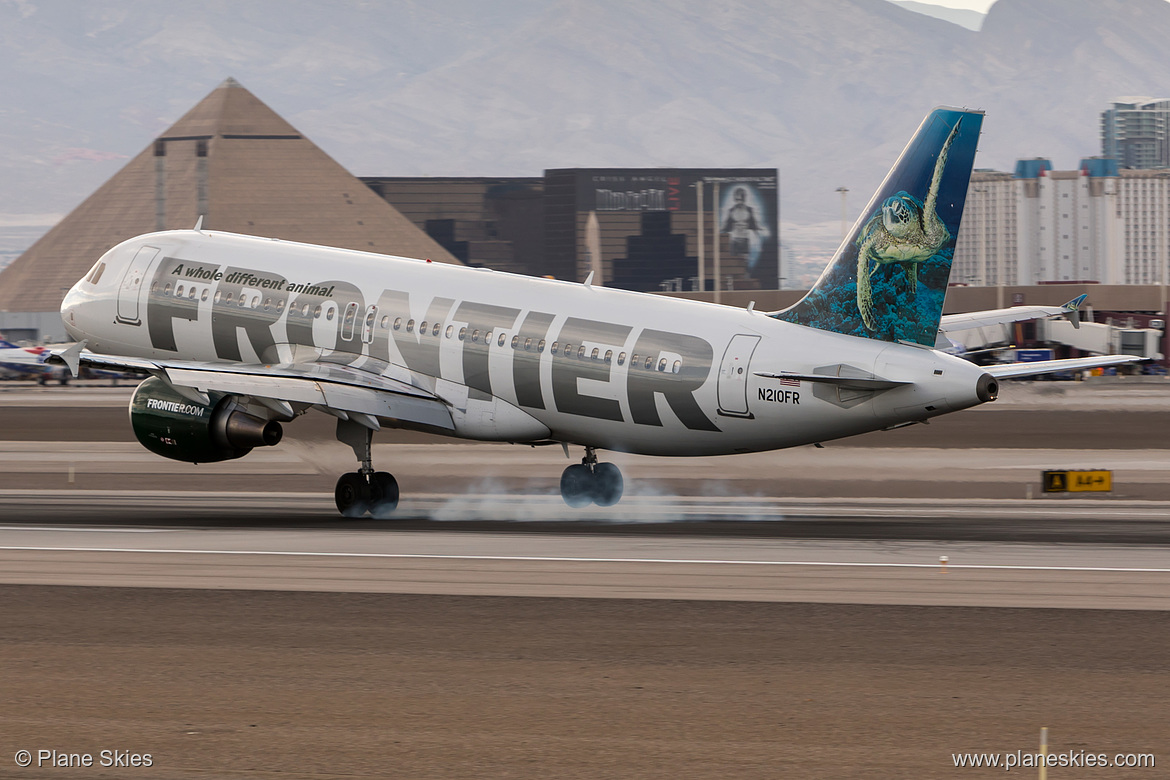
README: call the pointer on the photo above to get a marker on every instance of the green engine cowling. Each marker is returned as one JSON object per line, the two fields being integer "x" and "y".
{"x": 175, "y": 427}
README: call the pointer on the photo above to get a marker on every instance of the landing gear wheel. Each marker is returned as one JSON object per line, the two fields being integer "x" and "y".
{"x": 383, "y": 495}
{"x": 607, "y": 484}
{"x": 577, "y": 485}
{"x": 352, "y": 495}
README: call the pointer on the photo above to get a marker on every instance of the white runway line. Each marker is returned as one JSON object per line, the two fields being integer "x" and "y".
{"x": 573, "y": 559}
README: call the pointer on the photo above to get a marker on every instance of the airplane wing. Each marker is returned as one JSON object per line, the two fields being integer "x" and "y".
{"x": 341, "y": 390}
{"x": 1004, "y": 370}
{"x": 980, "y": 319}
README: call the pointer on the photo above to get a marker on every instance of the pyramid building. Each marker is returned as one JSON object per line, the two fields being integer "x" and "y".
{"x": 237, "y": 163}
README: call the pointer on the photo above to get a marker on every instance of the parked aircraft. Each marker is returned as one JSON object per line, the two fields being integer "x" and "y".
{"x": 241, "y": 334}
{"x": 977, "y": 320}
{"x": 30, "y": 361}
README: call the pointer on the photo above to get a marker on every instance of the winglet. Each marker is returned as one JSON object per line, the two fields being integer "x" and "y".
{"x": 1073, "y": 310}
{"x": 199, "y": 224}
{"x": 589, "y": 280}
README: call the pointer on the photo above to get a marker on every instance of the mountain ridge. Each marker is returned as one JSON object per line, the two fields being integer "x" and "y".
{"x": 828, "y": 91}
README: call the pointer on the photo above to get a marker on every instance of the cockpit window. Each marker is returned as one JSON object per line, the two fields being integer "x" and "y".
{"x": 96, "y": 272}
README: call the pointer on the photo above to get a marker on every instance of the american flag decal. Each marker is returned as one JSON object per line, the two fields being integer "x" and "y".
{"x": 789, "y": 381}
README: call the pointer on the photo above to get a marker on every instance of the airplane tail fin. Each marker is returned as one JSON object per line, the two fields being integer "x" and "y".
{"x": 888, "y": 279}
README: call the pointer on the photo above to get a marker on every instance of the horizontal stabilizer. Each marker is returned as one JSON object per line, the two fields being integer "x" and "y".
{"x": 853, "y": 383}
{"x": 1005, "y": 370}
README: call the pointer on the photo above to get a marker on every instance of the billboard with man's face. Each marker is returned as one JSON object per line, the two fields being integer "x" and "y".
{"x": 739, "y": 205}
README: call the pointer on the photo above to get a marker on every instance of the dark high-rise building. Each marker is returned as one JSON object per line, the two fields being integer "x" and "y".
{"x": 647, "y": 234}
{"x": 648, "y": 226}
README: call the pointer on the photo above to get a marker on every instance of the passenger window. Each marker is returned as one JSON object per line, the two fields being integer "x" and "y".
{"x": 608, "y": 356}
{"x": 397, "y": 323}
{"x": 581, "y": 352}
{"x": 410, "y": 326}
{"x": 243, "y": 301}
{"x": 191, "y": 293}
{"x": 475, "y": 336}
{"x": 280, "y": 305}
{"x": 487, "y": 338}
{"x": 255, "y": 301}
{"x": 463, "y": 333}
{"x": 316, "y": 311}
{"x": 621, "y": 358}
{"x": 305, "y": 310}
{"x": 515, "y": 342}
{"x": 329, "y": 313}
{"x": 503, "y": 336}
{"x": 676, "y": 367}
{"x": 450, "y": 330}
{"x": 267, "y": 304}
{"x": 153, "y": 286}
{"x": 167, "y": 289}
{"x": 634, "y": 360}
{"x": 203, "y": 297}
{"x": 662, "y": 364}
{"x": 179, "y": 291}
{"x": 528, "y": 345}
{"x": 540, "y": 346}
{"x": 422, "y": 328}
{"x": 554, "y": 348}
{"x": 435, "y": 329}
{"x": 649, "y": 361}
{"x": 227, "y": 298}
{"x": 218, "y": 295}
{"x": 385, "y": 321}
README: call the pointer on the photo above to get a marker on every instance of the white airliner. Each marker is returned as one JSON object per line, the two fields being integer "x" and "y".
{"x": 241, "y": 334}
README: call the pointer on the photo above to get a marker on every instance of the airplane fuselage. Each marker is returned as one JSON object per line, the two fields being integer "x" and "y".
{"x": 516, "y": 358}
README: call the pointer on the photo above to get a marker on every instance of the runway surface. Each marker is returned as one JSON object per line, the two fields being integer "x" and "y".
{"x": 777, "y": 615}
{"x": 593, "y": 566}
{"x": 342, "y": 685}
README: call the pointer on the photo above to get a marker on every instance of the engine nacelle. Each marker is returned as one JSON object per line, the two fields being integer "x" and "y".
{"x": 178, "y": 428}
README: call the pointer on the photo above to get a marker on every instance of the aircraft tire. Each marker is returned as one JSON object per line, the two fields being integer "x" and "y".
{"x": 577, "y": 485}
{"x": 352, "y": 495}
{"x": 607, "y": 484}
{"x": 383, "y": 495}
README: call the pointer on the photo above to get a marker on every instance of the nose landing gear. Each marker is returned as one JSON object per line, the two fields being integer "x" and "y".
{"x": 591, "y": 482}
{"x": 364, "y": 490}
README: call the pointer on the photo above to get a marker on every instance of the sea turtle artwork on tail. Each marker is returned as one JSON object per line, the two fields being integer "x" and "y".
{"x": 905, "y": 231}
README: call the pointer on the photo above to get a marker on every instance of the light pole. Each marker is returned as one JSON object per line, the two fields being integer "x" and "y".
{"x": 843, "y": 191}
{"x": 702, "y": 248}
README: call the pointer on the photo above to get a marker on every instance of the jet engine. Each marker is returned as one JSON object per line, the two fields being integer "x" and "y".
{"x": 178, "y": 428}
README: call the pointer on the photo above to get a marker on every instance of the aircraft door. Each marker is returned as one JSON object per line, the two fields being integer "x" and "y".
{"x": 349, "y": 321}
{"x": 130, "y": 290}
{"x": 368, "y": 324}
{"x": 733, "y": 376}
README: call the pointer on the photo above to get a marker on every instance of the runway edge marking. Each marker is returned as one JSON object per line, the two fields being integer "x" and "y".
{"x": 569, "y": 559}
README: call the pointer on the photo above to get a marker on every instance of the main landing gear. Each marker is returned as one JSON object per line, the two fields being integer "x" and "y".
{"x": 364, "y": 490}
{"x": 591, "y": 482}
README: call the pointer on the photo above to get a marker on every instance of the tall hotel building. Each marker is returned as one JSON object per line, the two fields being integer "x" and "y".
{"x": 1099, "y": 224}
{"x": 1038, "y": 226}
